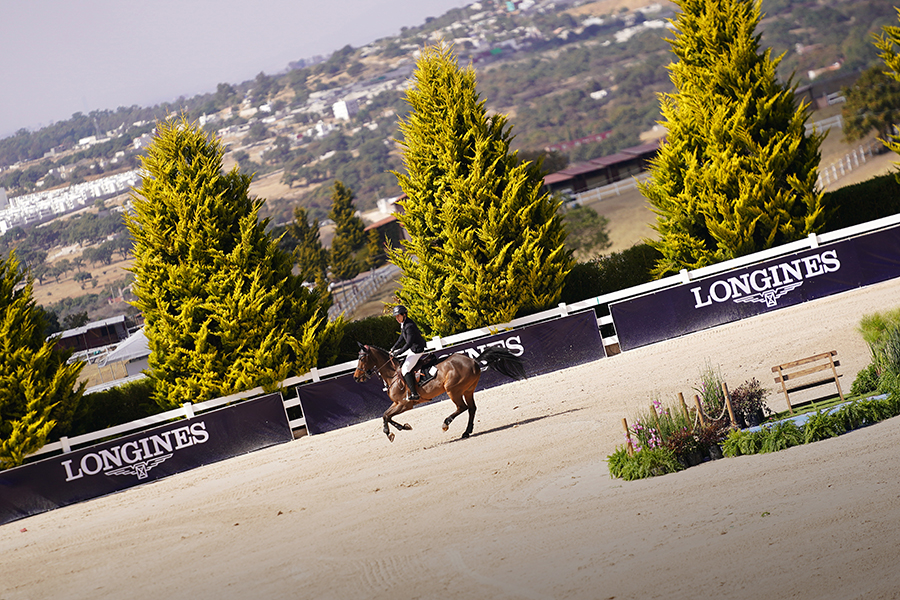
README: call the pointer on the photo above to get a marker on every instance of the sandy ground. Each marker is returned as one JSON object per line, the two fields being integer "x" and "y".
{"x": 525, "y": 508}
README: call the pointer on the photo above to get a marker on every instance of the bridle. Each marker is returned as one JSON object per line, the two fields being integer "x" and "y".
{"x": 364, "y": 352}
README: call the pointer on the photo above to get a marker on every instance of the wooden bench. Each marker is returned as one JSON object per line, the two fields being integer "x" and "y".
{"x": 788, "y": 374}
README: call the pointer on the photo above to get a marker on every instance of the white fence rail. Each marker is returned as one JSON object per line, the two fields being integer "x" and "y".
{"x": 291, "y": 400}
{"x": 349, "y": 295}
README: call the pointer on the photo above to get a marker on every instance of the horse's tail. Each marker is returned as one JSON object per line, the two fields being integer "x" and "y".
{"x": 502, "y": 360}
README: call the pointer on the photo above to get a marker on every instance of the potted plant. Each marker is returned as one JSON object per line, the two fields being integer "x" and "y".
{"x": 747, "y": 401}
{"x": 685, "y": 444}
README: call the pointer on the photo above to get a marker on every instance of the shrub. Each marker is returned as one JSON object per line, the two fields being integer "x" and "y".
{"x": 748, "y": 398}
{"x": 375, "y": 331}
{"x": 866, "y": 381}
{"x": 611, "y": 273}
{"x": 649, "y": 462}
{"x": 740, "y": 442}
{"x": 713, "y": 433}
{"x": 115, "y": 406}
{"x": 854, "y": 204}
{"x": 683, "y": 443}
{"x": 780, "y": 436}
{"x": 821, "y": 426}
{"x": 712, "y": 397}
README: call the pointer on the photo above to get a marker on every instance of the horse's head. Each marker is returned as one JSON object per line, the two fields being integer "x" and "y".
{"x": 366, "y": 366}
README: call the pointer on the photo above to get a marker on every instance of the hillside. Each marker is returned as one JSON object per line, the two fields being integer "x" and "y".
{"x": 539, "y": 65}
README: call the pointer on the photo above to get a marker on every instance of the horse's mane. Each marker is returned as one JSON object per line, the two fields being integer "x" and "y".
{"x": 378, "y": 348}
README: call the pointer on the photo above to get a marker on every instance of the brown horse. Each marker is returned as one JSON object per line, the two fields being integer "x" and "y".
{"x": 457, "y": 375}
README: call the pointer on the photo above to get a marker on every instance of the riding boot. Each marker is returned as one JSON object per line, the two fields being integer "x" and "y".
{"x": 410, "y": 379}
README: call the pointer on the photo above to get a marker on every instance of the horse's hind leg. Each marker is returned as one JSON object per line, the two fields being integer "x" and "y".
{"x": 469, "y": 398}
{"x": 460, "y": 403}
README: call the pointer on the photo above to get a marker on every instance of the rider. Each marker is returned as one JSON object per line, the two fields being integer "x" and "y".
{"x": 410, "y": 339}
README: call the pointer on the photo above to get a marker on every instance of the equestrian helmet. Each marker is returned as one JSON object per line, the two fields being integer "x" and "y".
{"x": 399, "y": 310}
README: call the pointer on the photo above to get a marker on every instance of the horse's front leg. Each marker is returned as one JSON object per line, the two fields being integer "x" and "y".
{"x": 395, "y": 409}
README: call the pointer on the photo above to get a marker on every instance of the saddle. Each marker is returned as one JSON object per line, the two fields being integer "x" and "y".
{"x": 423, "y": 370}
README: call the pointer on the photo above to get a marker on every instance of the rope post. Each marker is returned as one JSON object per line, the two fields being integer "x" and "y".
{"x": 699, "y": 409}
{"x": 728, "y": 404}
{"x": 627, "y": 437}
{"x": 683, "y": 405}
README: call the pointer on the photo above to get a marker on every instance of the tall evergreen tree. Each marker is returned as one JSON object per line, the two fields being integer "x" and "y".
{"x": 349, "y": 233}
{"x": 223, "y": 312}
{"x": 311, "y": 257}
{"x": 736, "y": 172}
{"x": 37, "y": 388}
{"x": 374, "y": 249}
{"x": 888, "y": 43}
{"x": 485, "y": 243}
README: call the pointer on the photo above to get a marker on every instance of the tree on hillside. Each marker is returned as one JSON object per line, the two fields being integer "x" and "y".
{"x": 736, "y": 172}
{"x": 587, "y": 232}
{"x": 485, "y": 243}
{"x": 311, "y": 257}
{"x": 38, "y": 389}
{"x": 888, "y": 43}
{"x": 349, "y": 233}
{"x": 223, "y": 311}
{"x": 872, "y": 102}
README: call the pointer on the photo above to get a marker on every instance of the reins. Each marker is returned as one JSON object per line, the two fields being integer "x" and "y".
{"x": 377, "y": 369}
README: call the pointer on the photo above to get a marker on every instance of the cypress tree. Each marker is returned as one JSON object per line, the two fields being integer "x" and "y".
{"x": 223, "y": 311}
{"x": 736, "y": 173}
{"x": 374, "y": 249}
{"x": 311, "y": 258}
{"x": 349, "y": 233}
{"x": 38, "y": 389}
{"x": 886, "y": 42}
{"x": 485, "y": 243}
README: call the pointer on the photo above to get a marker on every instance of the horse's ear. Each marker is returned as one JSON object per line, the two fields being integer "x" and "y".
{"x": 361, "y": 347}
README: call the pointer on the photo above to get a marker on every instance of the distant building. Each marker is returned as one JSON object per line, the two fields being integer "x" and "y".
{"x": 598, "y": 172}
{"x": 344, "y": 109}
{"x": 94, "y": 335}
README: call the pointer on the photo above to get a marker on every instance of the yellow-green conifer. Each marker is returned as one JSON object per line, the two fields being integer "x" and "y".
{"x": 223, "y": 311}
{"x": 485, "y": 242}
{"x": 38, "y": 390}
{"x": 736, "y": 173}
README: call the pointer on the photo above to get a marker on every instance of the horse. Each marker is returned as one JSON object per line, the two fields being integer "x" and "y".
{"x": 457, "y": 376}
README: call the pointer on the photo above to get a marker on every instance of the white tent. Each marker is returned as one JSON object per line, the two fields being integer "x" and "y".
{"x": 132, "y": 348}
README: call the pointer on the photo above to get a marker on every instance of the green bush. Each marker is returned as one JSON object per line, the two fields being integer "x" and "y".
{"x": 780, "y": 436}
{"x": 115, "y": 406}
{"x": 375, "y": 331}
{"x": 866, "y": 381}
{"x": 854, "y": 204}
{"x": 821, "y": 426}
{"x": 649, "y": 462}
{"x": 741, "y": 442}
{"x": 611, "y": 273}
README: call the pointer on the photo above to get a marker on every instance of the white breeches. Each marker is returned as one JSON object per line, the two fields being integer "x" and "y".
{"x": 410, "y": 363}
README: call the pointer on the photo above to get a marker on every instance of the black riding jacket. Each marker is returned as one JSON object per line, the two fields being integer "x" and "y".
{"x": 410, "y": 338}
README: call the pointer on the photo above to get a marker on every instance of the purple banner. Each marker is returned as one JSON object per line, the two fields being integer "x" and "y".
{"x": 546, "y": 347}
{"x": 142, "y": 457}
{"x": 757, "y": 289}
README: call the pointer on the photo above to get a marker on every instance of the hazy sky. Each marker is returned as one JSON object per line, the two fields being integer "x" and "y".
{"x": 58, "y": 57}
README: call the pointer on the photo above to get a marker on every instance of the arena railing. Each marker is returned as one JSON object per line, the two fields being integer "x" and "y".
{"x": 290, "y": 386}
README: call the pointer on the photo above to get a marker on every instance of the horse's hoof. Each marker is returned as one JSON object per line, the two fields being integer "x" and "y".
{"x": 407, "y": 427}
{"x": 465, "y": 435}
{"x": 445, "y": 426}
{"x": 391, "y": 437}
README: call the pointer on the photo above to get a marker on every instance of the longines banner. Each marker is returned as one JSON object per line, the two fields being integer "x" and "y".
{"x": 550, "y": 346}
{"x": 142, "y": 457}
{"x": 758, "y": 289}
